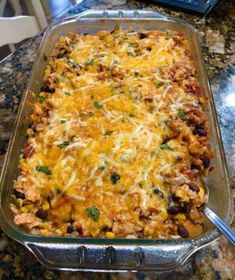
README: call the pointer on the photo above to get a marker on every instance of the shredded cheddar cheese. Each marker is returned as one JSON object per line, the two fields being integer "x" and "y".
{"x": 119, "y": 138}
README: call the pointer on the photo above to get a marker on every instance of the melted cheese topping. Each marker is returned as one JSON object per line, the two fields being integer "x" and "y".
{"x": 104, "y": 157}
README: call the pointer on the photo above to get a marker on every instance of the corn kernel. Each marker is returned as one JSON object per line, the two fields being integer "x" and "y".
{"x": 110, "y": 234}
{"x": 201, "y": 193}
{"x": 45, "y": 206}
{"x": 180, "y": 217}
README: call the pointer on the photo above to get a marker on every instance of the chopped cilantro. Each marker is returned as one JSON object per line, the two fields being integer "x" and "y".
{"x": 131, "y": 53}
{"x": 103, "y": 165}
{"x": 165, "y": 146}
{"x": 93, "y": 213}
{"x": 62, "y": 121}
{"x": 63, "y": 145}
{"x": 67, "y": 93}
{"x": 124, "y": 159}
{"x": 70, "y": 61}
{"x": 159, "y": 84}
{"x": 98, "y": 105}
{"x": 115, "y": 177}
{"x": 108, "y": 132}
{"x": 168, "y": 35}
{"x": 91, "y": 114}
{"x": 43, "y": 169}
{"x": 90, "y": 62}
{"x": 59, "y": 79}
{"x": 181, "y": 113}
{"x": 41, "y": 99}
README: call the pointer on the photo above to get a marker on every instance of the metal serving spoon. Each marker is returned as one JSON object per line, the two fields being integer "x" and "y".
{"x": 218, "y": 222}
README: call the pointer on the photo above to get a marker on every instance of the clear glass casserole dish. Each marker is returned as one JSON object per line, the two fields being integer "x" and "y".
{"x": 98, "y": 254}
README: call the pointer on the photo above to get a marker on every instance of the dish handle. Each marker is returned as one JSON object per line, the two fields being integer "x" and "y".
{"x": 98, "y": 257}
{"x": 117, "y": 14}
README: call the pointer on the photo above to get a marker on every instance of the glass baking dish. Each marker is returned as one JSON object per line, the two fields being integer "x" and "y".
{"x": 98, "y": 254}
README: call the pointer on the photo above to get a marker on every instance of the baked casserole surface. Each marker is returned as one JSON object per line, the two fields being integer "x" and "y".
{"x": 118, "y": 141}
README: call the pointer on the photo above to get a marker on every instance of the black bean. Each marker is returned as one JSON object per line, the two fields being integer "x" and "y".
{"x": 158, "y": 192}
{"x": 47, "y": 89}
{"x": 165, "y": 140}
{"x": 42, "y": 214}
{"x": 173, "y": 210}
{"x": 143, "y": 35}
{"x": 175, "y": 198}
{"x": 199, "y": 126}
{"x": 182, "y": 231}
{"x": 193, "y": 187}
{"x": 169, "y": 199}
{"x": 115, "y": 177}
{"x": 19, "y": 194}
{"x": 185, "y": 208}
{"x": 194, "y": 166}
{"x": 60, "y": 55}
{"x": 70, "y": 229}
{"x": 149, "y": 49}
{"x": 70, "y": 221}
{"x": 206, "y": 162}
{"x": 199, "y": 131}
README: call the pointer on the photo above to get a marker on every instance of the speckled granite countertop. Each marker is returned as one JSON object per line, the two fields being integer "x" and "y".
{"x": 218, "y": 44}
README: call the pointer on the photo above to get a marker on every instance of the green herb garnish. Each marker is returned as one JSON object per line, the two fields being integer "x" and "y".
{"x": 98, "y": 105}
{"x": 93, "y": 213}
{"x": 103, "y": 165}
{"x": 67, "y": 93}
{"x": 181, "y": 113}
{"x": 166, "y": 147}
{"x": 43, "y": 169}
{"x": 63, "y": 145}
{"x": 62, "y": 121}
{"x": 108, "y": 132}
{"x": 41, "y": 99}
{"x": 159, "y": 84}
{"x": 133, "y": 54}
{"x": 59, "y": 79}
{"x": 89, "y": 62}
{"x": 115, "y": 177}
{"x": 91, "y": 114}
{"x": 70, "y": 61}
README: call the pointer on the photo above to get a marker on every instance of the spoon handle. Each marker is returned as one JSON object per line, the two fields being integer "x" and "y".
{"x": 220, "y": 224}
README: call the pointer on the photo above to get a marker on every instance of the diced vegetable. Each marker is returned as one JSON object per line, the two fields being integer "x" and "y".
{"x": 67, "y": 93}
{"x": 43, "y": 169}
{"x": 93, "y": 213}
{"x": 108, "y": 132}
{"x": 159, "y": 84}
{"x": 181, "y": 113}
{"x": 63, "y": 145}
{"x": 98, "y": 105}
{"x": 41, "y": 99}
{"x": 165, "y": 146}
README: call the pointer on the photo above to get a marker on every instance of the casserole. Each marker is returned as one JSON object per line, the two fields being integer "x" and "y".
{"x": 116, "y": 254}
